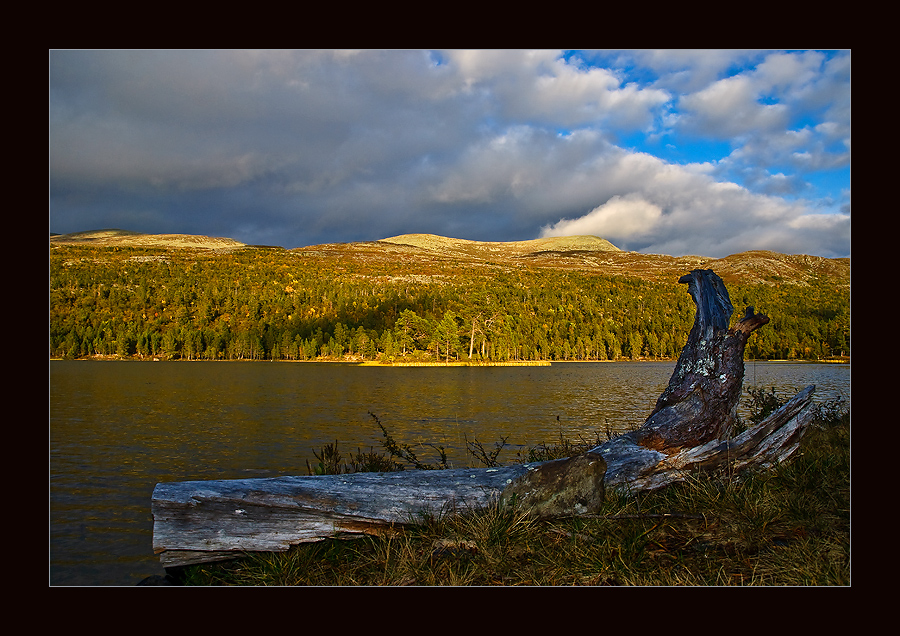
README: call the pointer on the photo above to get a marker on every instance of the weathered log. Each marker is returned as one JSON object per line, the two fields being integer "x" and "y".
{"x": 200, "y": 521}
{"x": 688, "y": 431}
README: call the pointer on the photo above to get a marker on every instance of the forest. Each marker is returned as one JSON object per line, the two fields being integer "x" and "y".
{"x": 275, "y": 304}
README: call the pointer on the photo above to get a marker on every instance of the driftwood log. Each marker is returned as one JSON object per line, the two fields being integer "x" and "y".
{"x": 199, "y": 521}
{"x": 689, "y": 430}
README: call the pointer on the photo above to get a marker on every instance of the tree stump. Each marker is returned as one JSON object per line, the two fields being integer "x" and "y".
{"x": 695, "y": 415}
{"x": 688, "y": 431}
{"x": 700, "y": 403}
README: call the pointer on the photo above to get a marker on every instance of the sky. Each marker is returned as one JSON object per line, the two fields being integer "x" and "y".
{"x": 701, "y": 152}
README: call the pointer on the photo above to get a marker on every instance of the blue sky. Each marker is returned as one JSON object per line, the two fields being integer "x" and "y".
{"x": 706, "y": 152}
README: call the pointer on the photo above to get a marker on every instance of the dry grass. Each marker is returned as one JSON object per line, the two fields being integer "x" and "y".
{"x": 787, "y": 526}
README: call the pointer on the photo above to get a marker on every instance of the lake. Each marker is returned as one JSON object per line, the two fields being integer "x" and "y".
{"x": 119, "y": 428}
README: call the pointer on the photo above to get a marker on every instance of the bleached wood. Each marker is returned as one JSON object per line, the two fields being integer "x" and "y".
{"x": 196, "y": 521}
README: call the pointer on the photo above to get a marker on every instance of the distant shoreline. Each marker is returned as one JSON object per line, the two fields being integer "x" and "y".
{"x": 513, "y": 363}
{"x": 458, "y": 363}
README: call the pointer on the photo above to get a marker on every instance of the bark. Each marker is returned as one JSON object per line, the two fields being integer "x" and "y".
{"x": 633, "y": 467}
{"x": 700, "y": 402}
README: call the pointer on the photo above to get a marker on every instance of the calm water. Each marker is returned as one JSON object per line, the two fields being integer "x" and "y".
{"x": 119, "y": 428}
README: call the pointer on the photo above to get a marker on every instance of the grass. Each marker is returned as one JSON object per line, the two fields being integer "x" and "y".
{"x": 786, "y": 526}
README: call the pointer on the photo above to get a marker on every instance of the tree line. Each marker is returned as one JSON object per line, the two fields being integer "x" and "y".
{"x": 258, "y": 304}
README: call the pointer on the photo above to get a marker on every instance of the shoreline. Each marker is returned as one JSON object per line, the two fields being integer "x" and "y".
{"x": 457, "y": 363}
{"x": 513, "y": 363}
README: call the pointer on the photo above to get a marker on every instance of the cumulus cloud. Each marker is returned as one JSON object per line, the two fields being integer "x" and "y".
{"x": 679, "y": 211}
{"x": 764, "y": 110}
{"x": 684, "y": 71}
{"x": 730, "y": 108}
{"x": 541, "y": 87}
{"x": 623, "y": 218}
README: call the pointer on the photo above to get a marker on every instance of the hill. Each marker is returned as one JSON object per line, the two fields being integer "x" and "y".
{"x": 429, "y": 254}
{"x": 508, "y": 249}
{"x": 125, "y": 238}
{"x": 422, "y": 252}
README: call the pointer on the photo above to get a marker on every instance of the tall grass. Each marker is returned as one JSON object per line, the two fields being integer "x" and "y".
{"x": 786, "y": 526}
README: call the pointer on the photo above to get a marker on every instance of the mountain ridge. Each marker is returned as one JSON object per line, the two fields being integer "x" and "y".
{"x": 435, "y": 242}
{"x": 127, "y": 238}
{"x": 582, "y": 253}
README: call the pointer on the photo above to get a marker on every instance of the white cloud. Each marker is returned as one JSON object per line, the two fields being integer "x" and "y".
{"x": 621, "y": 217}
{"x": 756, "y": 109}
{"x": 787, "y": 73}
{"x": 759, "y": 99}
{"x": 541, "y": 87}
{"x": 730, "y": 108}
{"x": 681, "y": 71}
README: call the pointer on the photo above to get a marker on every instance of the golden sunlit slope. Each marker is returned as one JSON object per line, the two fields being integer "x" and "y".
{"x": 509, "y": 249}
{"x": 124, "y": 238}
